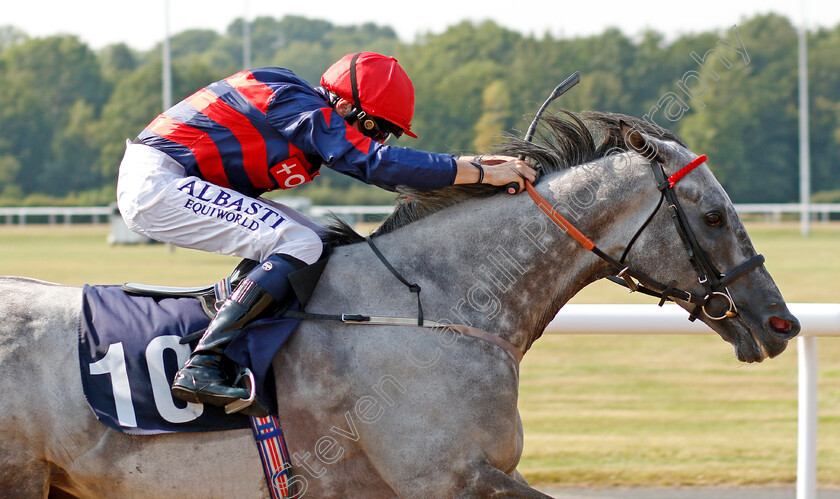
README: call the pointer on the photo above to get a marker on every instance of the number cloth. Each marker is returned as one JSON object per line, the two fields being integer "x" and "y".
{"x": 129, "y": 352}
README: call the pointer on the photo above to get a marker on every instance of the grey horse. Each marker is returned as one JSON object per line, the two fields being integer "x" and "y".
{"x": 396, "y": 411}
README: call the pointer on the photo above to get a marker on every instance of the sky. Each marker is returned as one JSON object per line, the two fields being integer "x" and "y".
{"x": 141, "y": 24}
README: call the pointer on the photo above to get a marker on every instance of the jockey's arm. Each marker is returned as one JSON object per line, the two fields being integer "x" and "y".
{"x": 304, "y": 120}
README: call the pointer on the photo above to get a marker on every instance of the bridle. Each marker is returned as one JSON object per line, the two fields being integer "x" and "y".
{"x": 713, "y": 281}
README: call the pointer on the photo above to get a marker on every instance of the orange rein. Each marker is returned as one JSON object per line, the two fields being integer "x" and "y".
{"x": 558, "y": 218}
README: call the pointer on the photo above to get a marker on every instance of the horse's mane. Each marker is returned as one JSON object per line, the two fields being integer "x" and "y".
{"x": 563, "y": 140}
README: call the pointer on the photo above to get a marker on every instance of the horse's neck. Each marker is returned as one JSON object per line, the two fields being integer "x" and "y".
{"x": 499, "y": 264}
{"x": 607, "y": 204}
{"x": 607, "y": 200}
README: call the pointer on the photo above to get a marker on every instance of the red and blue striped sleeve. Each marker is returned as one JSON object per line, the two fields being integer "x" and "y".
{"x": 304, "y": 119}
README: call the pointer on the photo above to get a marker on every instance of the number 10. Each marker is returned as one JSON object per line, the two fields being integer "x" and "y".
{"x": 113, "y": 363}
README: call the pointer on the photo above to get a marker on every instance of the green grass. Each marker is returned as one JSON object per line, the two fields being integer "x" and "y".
{"x": 603, "y": 410}
{"x": 80, "y": 255}
{"x": 664, "y": 410}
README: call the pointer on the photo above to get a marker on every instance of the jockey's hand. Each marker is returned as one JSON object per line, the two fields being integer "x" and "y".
{"x": 498, "y": 170}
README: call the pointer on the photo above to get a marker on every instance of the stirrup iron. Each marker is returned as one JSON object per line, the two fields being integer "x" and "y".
{"x": 240, "y": 404}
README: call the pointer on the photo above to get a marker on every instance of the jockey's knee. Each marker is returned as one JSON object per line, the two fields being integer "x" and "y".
{"x": 313, "y": 248}
{"x": 299, "y": 242}
{"x": 272, "y": 274}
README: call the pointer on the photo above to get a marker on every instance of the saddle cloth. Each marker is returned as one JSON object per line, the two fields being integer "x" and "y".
{"x": 129, "y": 352}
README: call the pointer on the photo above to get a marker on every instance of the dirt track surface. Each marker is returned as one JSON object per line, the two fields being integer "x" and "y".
{"x": 684, "y": 493}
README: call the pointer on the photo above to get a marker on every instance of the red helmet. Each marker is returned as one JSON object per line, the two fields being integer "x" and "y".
{"x": 384, "y": 90}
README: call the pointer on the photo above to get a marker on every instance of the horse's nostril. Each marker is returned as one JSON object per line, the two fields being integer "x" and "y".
{"x": 780, "y": 324}
{"x": 784, "y": 327}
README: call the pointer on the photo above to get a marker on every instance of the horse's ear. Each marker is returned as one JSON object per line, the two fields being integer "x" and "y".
{"x": 637, "y": 141}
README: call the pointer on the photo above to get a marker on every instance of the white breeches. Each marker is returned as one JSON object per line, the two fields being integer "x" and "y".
{"x": 158, "y": 200}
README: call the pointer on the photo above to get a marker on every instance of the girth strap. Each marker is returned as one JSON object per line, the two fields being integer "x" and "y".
{"x": 371, "y": 320}
{"x": 379, "y": 320}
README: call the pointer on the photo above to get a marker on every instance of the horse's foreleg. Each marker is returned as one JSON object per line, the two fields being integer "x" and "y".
{"x": 23, "y": 479}
{"x": 483, "y": 480}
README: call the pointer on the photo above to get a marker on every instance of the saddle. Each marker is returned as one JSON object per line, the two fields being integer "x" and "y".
{"x": 212, "y": 297}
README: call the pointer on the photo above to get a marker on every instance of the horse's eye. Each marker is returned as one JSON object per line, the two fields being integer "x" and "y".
{"x": 714, "y": 219}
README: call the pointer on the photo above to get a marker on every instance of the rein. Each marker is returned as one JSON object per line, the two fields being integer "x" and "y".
{"x": 714, "y": 282}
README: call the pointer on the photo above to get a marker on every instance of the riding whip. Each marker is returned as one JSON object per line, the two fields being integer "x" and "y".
{"x": 562, "y": 88}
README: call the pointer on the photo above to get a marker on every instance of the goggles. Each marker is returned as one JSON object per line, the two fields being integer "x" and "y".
{"x": 379, "y": 129}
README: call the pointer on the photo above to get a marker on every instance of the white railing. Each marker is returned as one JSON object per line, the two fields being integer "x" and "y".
{"x": 100, "y": 214}
{"x": 360, "y": 211}
{"x": 21, "y": 215}
{"x": 817, "y": 319}
{"x": 773, "y": 212}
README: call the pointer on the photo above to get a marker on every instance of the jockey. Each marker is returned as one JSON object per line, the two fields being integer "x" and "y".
{"x": 193, "y": 178}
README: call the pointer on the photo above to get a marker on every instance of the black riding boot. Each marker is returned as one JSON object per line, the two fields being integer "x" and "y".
{"x": 202, "y": 379}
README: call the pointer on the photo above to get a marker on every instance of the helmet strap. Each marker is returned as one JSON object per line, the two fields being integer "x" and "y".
{"x": 366, "y": 122}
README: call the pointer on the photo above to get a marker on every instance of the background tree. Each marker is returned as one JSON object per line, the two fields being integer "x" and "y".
{"x": 824, "y": 93}
{"x": 47, "y": 78}
{"x": 11, "y": 36}
{"x": 495, "y": 116}
{"x": 748, "y": 126}
{"x": 66, "y": 110}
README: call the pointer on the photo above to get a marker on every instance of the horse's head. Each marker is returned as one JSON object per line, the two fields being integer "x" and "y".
{"x": 697, "y": 236}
